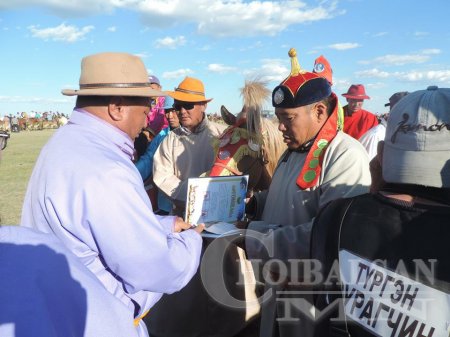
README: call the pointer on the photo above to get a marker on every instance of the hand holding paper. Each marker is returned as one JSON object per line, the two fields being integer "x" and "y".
{"x": 180, "y": 225}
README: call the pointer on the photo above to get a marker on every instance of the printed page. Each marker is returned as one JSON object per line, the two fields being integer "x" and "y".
{"x": 216, "y": 199}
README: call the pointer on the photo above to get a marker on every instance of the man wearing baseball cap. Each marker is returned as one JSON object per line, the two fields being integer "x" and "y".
{"x": 357, "y": 121}
{"x": 86, "y": 190}
{"x": 376, "y": 134}
{"x": 395, "y": 98}
{"x": 187, "y": 151}
{"x": 321, "y": 164}
{"x": 392, "y": 246}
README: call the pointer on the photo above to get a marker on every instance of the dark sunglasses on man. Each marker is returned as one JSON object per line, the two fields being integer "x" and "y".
{"x": 3, "y": 139}
{"x": 185, "y": 105}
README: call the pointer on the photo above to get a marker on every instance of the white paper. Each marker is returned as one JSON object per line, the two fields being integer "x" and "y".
{"x": 216, "y": 199}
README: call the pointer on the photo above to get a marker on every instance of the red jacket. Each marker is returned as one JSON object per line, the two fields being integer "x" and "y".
{"x": 359, "y": 122}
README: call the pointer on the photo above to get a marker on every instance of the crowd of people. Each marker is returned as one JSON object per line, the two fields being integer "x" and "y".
{"x": 348, "y": 240}
{"x": 32, "y": 121}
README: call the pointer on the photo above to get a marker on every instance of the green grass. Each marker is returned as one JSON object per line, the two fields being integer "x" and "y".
{"x": 16, "y": 164}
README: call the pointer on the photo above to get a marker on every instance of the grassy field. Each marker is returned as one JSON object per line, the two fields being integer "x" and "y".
{"x": 16, "y": 165}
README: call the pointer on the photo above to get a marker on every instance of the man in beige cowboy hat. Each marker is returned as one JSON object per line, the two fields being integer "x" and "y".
{"x": 187, "y": 151}
{"x": 86, "y": 190}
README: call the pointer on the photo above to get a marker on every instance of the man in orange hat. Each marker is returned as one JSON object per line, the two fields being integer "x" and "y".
{"x": 321, "y": 164}
{"x": 187, "y": 151}
{"x": 357, "y": 121}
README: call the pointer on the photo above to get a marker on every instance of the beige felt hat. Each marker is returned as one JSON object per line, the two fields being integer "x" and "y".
{"x": 113, "y": 74}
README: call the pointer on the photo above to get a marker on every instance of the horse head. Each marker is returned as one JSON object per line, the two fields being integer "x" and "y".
{"x": 251, "y": 144}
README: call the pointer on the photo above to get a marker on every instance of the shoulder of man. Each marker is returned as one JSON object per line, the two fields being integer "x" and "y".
{"x": 345, "y": 143}
{"x": 368, "y": 113}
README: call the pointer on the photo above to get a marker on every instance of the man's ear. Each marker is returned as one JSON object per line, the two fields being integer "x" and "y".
{"x": 116, "y": 108}
{"x": 320, "y": 112}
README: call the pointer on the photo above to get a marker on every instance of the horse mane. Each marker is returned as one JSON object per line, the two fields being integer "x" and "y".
{"x": 255, "y": 94}
{"x": 273, "y": 145}
{"x": 261, "y": 130}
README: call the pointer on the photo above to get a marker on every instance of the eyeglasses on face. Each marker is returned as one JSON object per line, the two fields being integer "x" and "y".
{"x": 184, "y": 105}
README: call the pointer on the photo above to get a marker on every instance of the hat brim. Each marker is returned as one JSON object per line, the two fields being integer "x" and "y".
{"x": 186, "y": 97}
{"x": 387, "y": 104}
{"x": 413, "y": 167}
{"x": 356, "y": 97}
{"x": 135, "y": 92}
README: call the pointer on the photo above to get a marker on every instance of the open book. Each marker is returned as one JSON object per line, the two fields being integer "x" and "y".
{"x": 218, "y": 202}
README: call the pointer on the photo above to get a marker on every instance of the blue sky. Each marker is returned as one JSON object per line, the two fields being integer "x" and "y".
{"x": 387, "y": 45}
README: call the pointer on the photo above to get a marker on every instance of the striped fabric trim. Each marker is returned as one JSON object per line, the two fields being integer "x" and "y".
{"x": 190, "y": 91}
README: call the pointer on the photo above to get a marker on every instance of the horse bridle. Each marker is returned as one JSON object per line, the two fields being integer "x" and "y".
{"x": 236, "y": 172}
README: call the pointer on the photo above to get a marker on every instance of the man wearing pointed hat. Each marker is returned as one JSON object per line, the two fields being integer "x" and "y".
{"x": 187, "y": 151}
{"x": 357, "y": 121}
{"x": 86, "y": 191}
{"x": 321, "y": 164}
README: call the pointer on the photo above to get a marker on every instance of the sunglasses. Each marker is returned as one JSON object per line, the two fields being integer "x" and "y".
{"x": 185, "y": 106}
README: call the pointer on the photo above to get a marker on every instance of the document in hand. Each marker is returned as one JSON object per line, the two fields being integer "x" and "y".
{"x": 216, "y": 199}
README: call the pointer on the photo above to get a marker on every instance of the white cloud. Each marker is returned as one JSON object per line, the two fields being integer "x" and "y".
{"x": 399, "y": 60}
{"x": 22, "y": 99}
{"x": 376, "y": 85}
{"x": 65, "y": 8}
{"x": 142, "y": 55}
{"x": 372, "y": 73}
{"x": 234, "y": 18}
{"x": 271, "y": 70}
{"x": 431, "y": 51}
{"x": 420, "y": 34}
{"x": 380, "y": 34}
{"x": 211, "y": 17}
{"x": 112, "y": 29}
{"x": 344, "y": 46}
{"x": 62, "y": 32}
{"x": 176, "y": 74}
{"x": 205, "y": 48}
{"x": 428, "y": 76}
{"x": 220, "y": 68}
{"x": 170, "y": 42}
{"x": 255, "y": 45}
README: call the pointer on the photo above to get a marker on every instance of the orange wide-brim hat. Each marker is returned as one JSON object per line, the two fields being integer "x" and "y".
{"x": 113, "y": 74}
{"x": 189, "y": 90}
